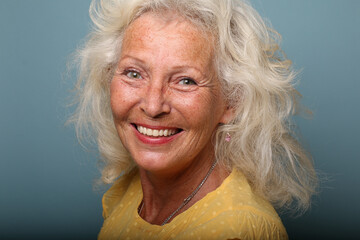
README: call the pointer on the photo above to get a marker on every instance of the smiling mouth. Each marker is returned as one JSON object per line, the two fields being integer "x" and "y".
{"x": 157, "y": 132}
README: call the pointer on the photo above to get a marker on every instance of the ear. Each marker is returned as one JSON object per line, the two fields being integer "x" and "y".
{"x": 228, "y": 115}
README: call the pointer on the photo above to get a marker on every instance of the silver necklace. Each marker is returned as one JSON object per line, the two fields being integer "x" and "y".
{"x": 186, "y": 200}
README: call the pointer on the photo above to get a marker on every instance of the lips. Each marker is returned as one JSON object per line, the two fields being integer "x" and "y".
{"x": 157, "y": 131}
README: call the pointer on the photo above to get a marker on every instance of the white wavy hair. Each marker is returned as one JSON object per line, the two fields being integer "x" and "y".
{"x": 256, "y": 78}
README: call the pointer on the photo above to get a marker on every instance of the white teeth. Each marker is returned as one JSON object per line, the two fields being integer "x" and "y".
{"x": 155, "y": 132}
{"x": 148, "y": 132}
{"x": 141, "y": 129}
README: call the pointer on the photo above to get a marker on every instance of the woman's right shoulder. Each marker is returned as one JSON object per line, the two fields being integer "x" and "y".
{"x": 117, "y": 191}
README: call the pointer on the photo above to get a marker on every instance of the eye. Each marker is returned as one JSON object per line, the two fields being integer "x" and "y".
{"x": 187, "y": 81}
{"x": 133, "y": 74}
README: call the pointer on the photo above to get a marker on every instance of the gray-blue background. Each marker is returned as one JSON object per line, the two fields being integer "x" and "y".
{"x": 46, "y": 178}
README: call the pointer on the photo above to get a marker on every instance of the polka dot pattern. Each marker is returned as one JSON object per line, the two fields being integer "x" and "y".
{"x": 232, "y": 211}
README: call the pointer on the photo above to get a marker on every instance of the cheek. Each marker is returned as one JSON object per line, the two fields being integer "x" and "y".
{"x": 121, "y": 99}
{"x": 115, "y": 98}
{"x": 202, "y": 108}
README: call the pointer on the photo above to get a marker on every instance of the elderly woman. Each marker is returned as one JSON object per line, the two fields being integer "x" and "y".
{"x": 189, "y": 103}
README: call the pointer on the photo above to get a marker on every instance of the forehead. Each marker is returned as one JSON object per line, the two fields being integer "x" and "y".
{"x": 167, "y": 34}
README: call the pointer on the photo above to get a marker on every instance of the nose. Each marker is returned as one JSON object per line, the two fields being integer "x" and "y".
{"x": 154, "y": 102}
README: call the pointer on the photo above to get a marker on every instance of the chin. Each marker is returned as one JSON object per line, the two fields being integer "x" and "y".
{"x": 152, "y": 162}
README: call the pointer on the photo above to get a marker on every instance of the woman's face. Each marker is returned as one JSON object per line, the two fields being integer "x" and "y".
{"x": 165, "y": 97}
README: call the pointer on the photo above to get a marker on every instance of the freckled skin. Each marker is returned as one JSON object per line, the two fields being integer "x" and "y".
{"x": 163, "y": 53}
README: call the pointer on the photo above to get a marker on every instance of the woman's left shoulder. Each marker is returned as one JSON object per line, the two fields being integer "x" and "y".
{"x": 239, "y": 223}
{"x": 234, "y": 211}
{"x": 250, "y": 223}
{"x": 252, "y": 215}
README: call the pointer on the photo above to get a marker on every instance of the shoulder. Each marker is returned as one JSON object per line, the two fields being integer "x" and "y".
{"x": 233, "y": 211}
{"x": 249, "y": 223}
{"x": 115, "y": 194}
{"x": 253, "y": 216}
{"x": 239, "y": 224}
{"x": 238, "y": 194}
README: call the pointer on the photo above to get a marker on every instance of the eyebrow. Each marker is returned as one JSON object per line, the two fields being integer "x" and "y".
{"x": 132, "y": 58}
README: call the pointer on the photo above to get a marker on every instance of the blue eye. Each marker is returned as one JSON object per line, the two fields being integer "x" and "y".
{"x": 187, "y": 81}
{"x": 133, "y": 74}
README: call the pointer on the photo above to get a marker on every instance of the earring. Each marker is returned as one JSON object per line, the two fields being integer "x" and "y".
{"x": 228, "y": 137}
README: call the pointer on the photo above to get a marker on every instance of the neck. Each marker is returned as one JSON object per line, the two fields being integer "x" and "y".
{"x": 163, "y": 194}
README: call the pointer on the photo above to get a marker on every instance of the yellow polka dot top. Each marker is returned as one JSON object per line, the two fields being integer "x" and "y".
{"x": 232, "y": 211}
